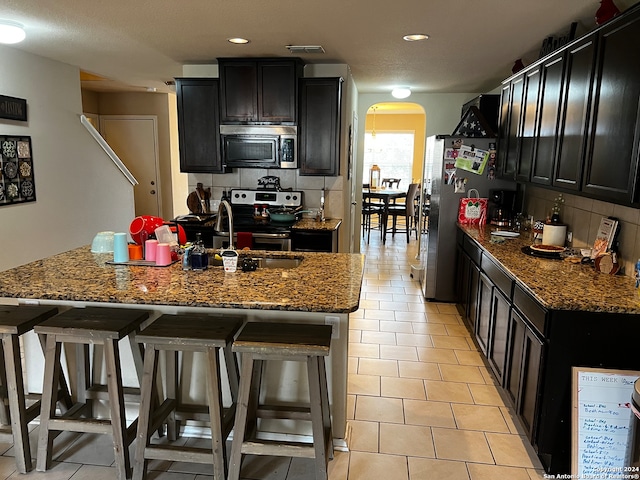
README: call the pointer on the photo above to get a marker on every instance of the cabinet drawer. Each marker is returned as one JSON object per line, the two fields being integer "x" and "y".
{"x": 530, "y": 309}
{"x": 472, "y": 249}
{"x": 498, "y": 276}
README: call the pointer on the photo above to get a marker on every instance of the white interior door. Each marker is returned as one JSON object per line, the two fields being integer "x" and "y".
{"x": 356, "y": 187}
{"x": 134, "y": 138}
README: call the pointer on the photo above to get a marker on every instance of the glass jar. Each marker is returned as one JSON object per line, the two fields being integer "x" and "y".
{"x": 374, "y": 176}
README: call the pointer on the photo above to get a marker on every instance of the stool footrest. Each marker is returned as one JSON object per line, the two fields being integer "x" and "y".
{"x": 278, "y": 448}
{"x": 284, "y": 411}
{"x": 82, "y": 425}
{"x": 32, "y": 411}
{"x": 179, "y": 454}
{"x": 100, "y": 392}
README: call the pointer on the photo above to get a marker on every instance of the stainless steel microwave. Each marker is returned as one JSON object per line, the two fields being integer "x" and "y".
{"x": 259, "y": 146}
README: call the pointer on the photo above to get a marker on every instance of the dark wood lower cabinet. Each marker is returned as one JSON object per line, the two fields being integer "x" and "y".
{"x": 483, "y": 318}
{"x": 500, "y": 308}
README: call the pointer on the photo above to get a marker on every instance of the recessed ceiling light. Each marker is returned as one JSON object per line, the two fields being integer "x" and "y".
{"x": 401, "y": 92}
{"x": 415, "y": 37}
{"x": 11, "y": 32}
{"x": 238, "y": 40}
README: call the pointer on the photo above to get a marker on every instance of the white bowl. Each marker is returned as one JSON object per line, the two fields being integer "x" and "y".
{"x": 102, "y": 243}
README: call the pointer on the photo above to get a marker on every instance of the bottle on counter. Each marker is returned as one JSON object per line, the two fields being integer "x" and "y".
{"x": 199, "y": 256}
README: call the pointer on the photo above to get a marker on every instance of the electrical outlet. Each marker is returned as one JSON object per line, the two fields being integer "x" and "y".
{"x": 335, "y": 325}
{"x": 569, "y": 237}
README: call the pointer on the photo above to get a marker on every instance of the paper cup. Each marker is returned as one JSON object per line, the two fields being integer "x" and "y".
{"x": 120, "y": 249}
{"x": 150, "y": 247}
{"x": 163, "y": 254}
{"x": 230, "y": 260}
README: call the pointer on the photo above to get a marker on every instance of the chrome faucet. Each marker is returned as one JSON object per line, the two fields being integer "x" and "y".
{"x": 227, "y": 206}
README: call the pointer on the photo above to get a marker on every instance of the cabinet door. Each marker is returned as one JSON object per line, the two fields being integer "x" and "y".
{"x": 277, "y": 93}
{"x": 548, "y": 117}
{"x": 474, "y": 288}
{"x": 528, "y": 130}
{"x": 503, "y": 128}
{"x": 319, "y": 127}
{"x": 573, "y": 128}
{"x": 483, "y": 319}
{"x": 462, "y": 283}
{"x": 612, "y": 166}
{"x": 238, "y": 91}
{"x": 198, "y": 125}
{"x": 500, "y": 308}
{"x": 526, "y": 356}
{"x": 514, "y": 135}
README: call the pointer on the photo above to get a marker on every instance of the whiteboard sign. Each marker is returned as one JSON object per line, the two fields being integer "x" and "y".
{"x": 602, "y": 422}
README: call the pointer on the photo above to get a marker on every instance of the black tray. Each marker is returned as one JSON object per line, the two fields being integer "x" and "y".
{"x": 551, "y": 255}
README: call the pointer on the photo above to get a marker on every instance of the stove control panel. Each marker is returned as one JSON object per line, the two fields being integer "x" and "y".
{"x": 266, "y": 197}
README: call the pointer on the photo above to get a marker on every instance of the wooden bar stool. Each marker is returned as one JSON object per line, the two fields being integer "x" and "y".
{"x": 85, "y": 326}
{"x": 259, "y": 342}
{"x": 15, "y": 321}
{"x": 187, "y": 333}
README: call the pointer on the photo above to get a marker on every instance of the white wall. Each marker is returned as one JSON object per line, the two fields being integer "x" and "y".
{"x": 79, "y": 190}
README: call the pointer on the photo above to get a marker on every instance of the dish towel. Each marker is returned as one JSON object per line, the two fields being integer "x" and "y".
{"x": 244, "y": 240}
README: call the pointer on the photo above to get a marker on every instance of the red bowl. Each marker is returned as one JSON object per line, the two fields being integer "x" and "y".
{"x": 143, "y": 227}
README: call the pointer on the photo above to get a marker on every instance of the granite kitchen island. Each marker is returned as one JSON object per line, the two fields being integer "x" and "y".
{"x": 323, "y": 288}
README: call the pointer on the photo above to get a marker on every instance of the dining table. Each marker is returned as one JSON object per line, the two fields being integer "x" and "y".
{"x": 386, "y": 195}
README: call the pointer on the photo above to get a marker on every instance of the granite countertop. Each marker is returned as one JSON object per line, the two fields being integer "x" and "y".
{"x": 323, "y": 282}
{"x": 330, "y": 224}
{"x": 559, "y": 284}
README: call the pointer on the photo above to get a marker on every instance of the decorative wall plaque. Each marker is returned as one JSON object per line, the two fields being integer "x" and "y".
{"x": 13, "y": 108}
{"x": 17, "y": 184}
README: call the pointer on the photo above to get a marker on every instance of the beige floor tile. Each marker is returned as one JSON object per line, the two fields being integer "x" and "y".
{"x": 457, "y": 331}
{"x": 398, "y": 306}
{"x": 512, "y": 450}
{"x": 424, "y": 370}
{"x": 486, "y": 395}
{"x": 351, "y": 407}
{"x": 437, "y": 355}
{"x": 377, "y": 466}
{"x": 364, "y": 324}
{"x": 479, "y": 417}
{"x": 92, "y": 472}
{"x": 442, "y": 318}
{"x": 378, "y": 315}
{"x": 457, "y": 343}
{"x": 387, "y": 297}
{"x": 377, "y": 366}
{"x": 394, "y": 326}
{"x": 417, "y": 307}
{"x": 440, "y": 391}
{"x": 465, "y": 445}
{"x": 427, "y": 413}
{"x": 431, "y": 307}
{"x": 364, "y": 350}
{"x": 369, "y": 304}
{"x": 394, "y": 352}
{"x": 379, "y": 409}
{"x": 537, "y": 474}
{"x": 478, "y": 471}
{"x": 363, "y": 384}
{"x": 413, "y": 340}
{"x": 338, "y": 468}
{"x": 461, "y": 373}
{"x": 410, "y": 440}
{"x": 513, "y": 422}
{"x": 469, "y": 357}
{"x": 364, "y": 436}
{"x": 380, "y": 338}
{"x": 402, "y": 388}
{"x": 418, "y": 317}
{"x": 488, "y": 376}
{"x": 449, "y": 308}
{"x": 429, "y": 328}
{"x": 427, "y": 468}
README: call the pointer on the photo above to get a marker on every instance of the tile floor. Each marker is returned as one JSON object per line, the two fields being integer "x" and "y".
{"x": 421, "y": 403}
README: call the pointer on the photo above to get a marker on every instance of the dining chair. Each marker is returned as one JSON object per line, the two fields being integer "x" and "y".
{"x": 392, "y": 183}
{"x": 407, "y": 211}
{"x": 370, "y": 208}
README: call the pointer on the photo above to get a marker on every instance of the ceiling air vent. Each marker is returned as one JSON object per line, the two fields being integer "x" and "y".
{"x": 305, "y": 48}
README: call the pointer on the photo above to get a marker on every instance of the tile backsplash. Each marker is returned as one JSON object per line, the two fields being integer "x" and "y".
{"x": 582, "y": 216}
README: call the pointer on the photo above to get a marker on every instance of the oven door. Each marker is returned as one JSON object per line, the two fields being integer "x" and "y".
{"x": 280, "y": 242}
{"x": 251, "y": 151}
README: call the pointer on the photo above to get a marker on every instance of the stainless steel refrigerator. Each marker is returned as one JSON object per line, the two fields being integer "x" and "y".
{"x": 438, "y": 242}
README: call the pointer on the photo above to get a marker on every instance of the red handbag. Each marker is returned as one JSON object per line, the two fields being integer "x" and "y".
{"x": 472, "y": 210}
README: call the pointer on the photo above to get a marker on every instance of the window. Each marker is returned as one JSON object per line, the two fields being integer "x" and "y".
{"x": 392, "y": 152}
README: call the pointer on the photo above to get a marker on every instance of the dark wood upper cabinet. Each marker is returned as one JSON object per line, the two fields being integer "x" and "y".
{"x": 259, "y": 91}
{"x": 319, "y": 127}
{"x": 551, "y": 81}
{"x": 509, "y": 128}
{"x": 611, "y": 171}
{"x": 529, "y": 123}
{"x": 573, "y": 132}
{"x": 198, "y": 125}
